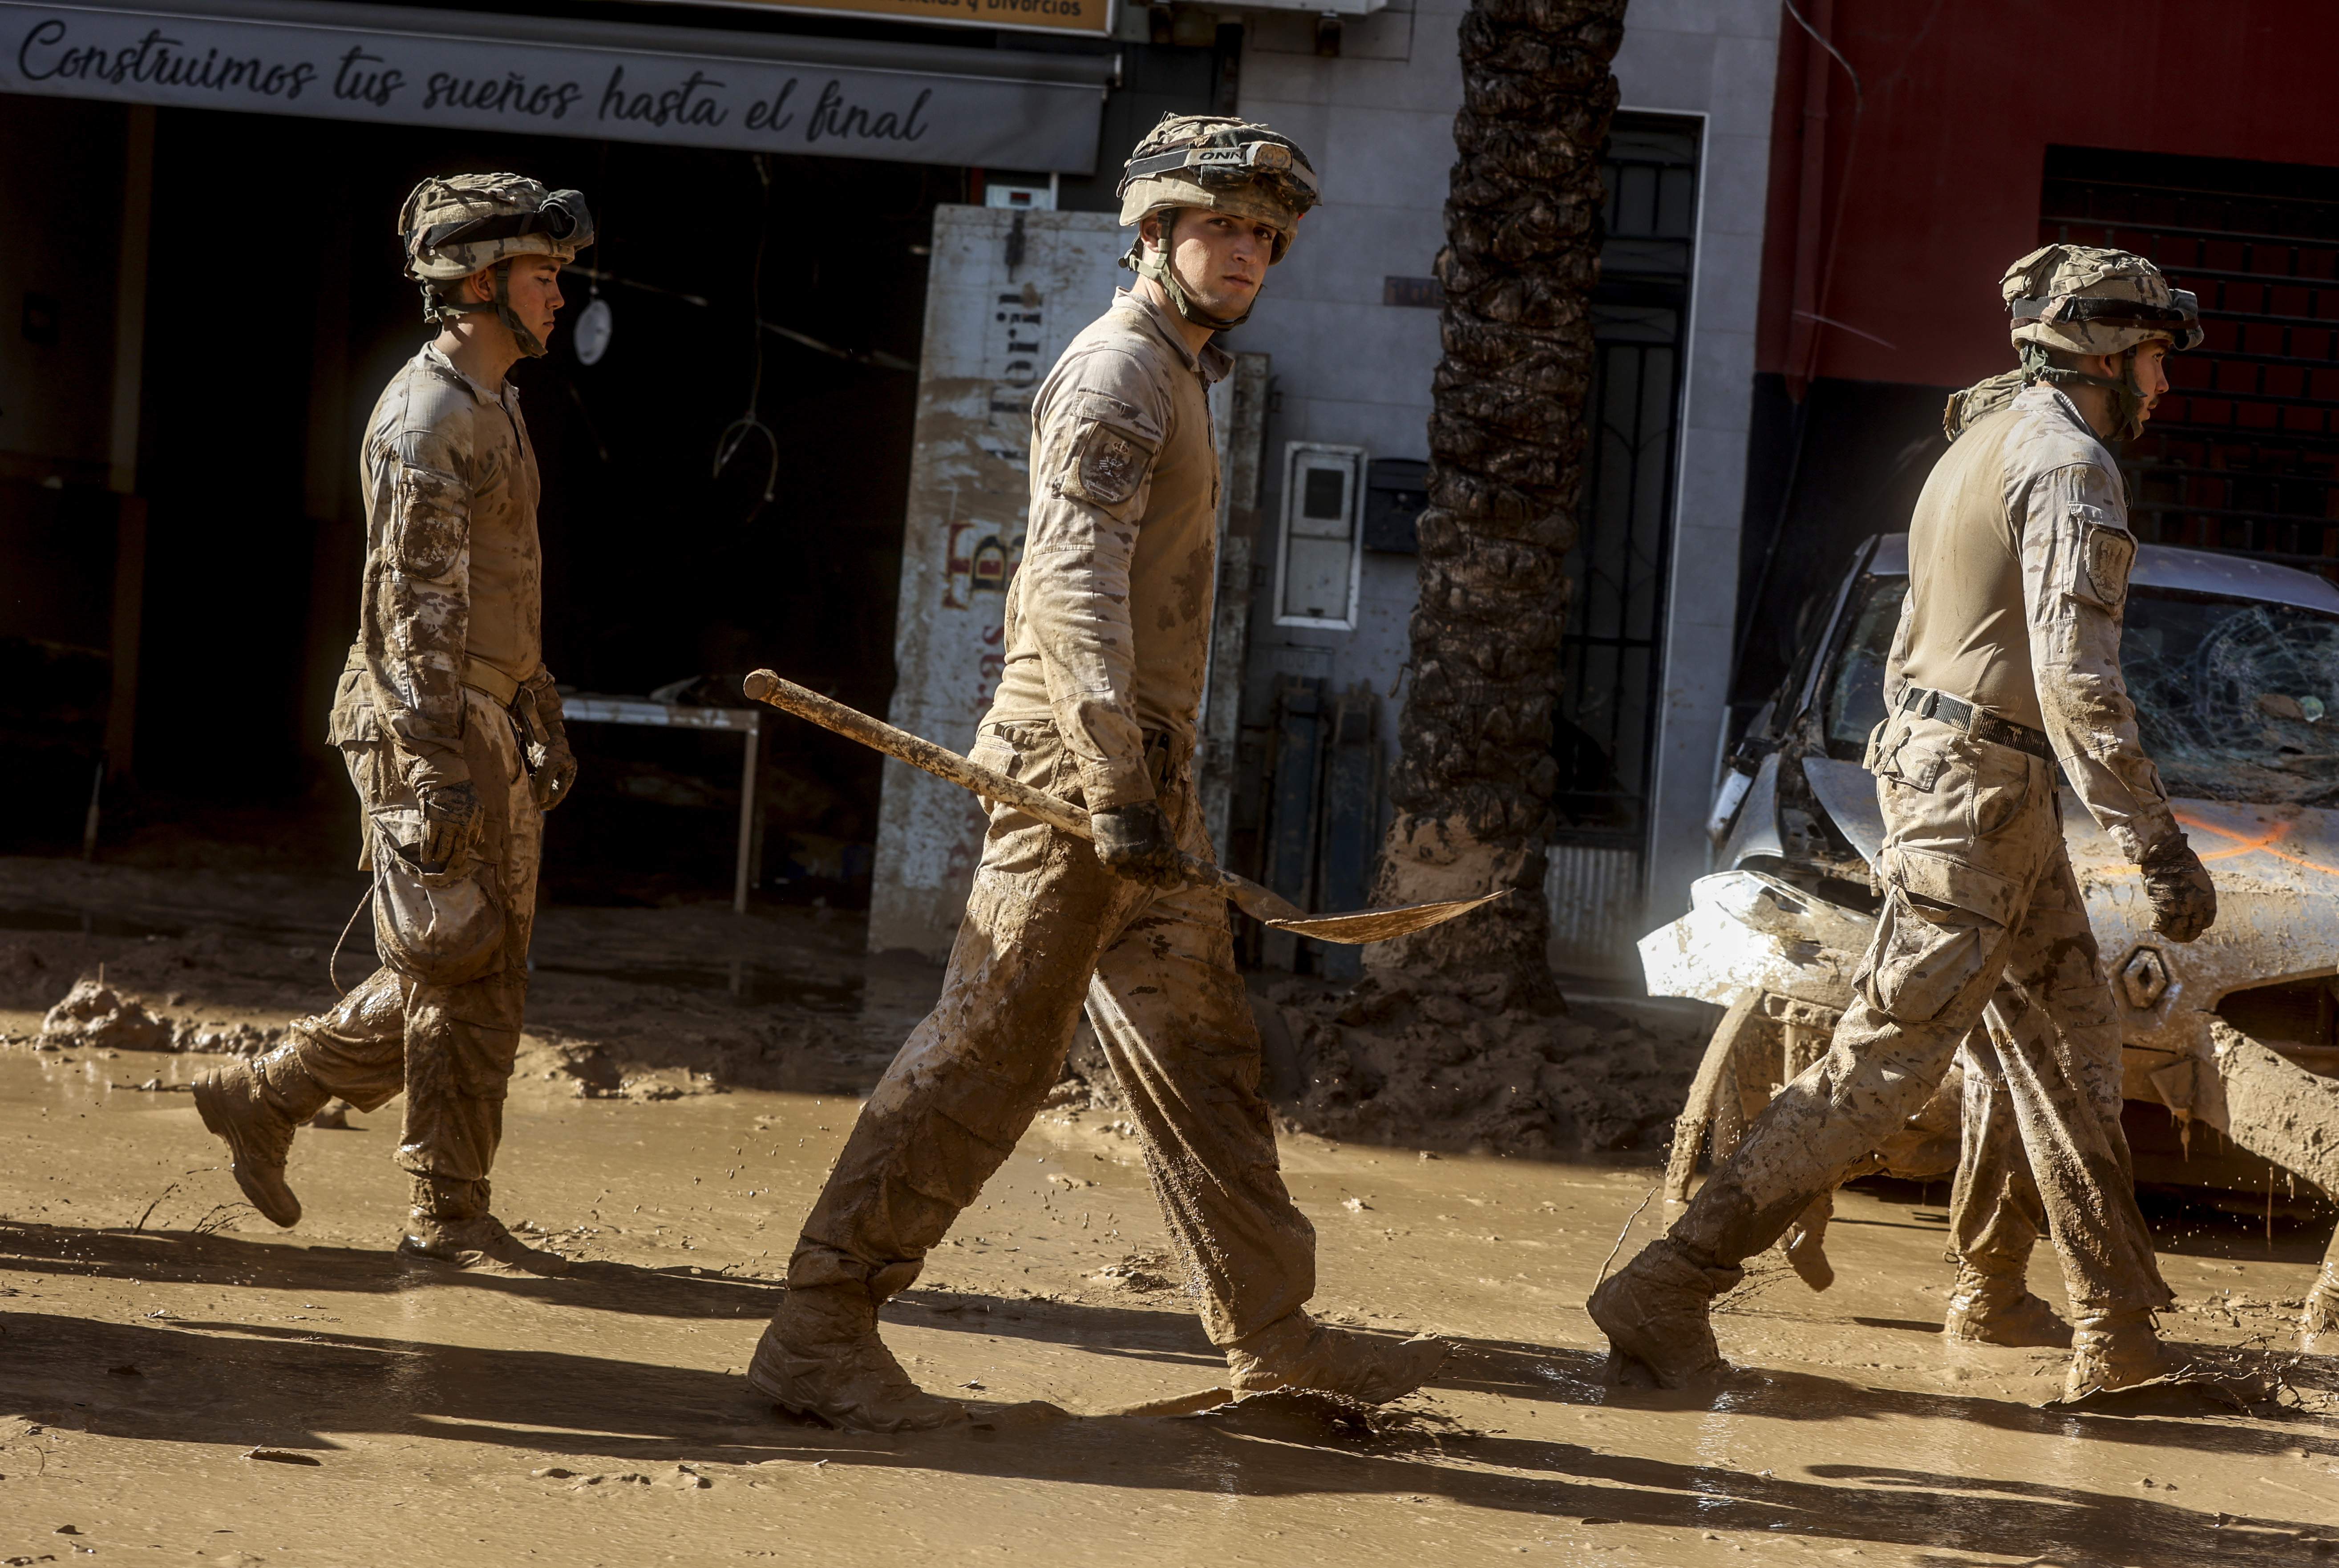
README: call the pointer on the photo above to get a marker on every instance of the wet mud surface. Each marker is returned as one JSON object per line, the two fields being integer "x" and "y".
{"x": 179, "y": 1381}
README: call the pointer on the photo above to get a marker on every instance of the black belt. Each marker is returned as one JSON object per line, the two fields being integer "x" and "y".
{"x": 1979, "y": 723}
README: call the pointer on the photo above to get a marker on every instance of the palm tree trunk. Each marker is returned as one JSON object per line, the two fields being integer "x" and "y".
{"x": 1472, "y": 784}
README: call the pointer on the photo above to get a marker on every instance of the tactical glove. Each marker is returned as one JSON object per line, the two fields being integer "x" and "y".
{"x": 450, "y": 826}
{"x": 552, "y": 766}
{"x": 554, "y": 775}
{"x": 2184, "y": 900}
{"x": 1135, "y": 841}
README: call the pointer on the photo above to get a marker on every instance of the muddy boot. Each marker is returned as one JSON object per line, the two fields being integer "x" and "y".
{"x": 236, "y": 1104}
{"x": 1297, "y": 1352}
{"x": 1655, "y": 1313}
{"x": 1997, "y": 1308}
{"x": 480, "y": 1242}
{"x": 2114, "y": 1351}
{"x": 1805, "y": 1243}
{"x": 2318, "y": 1326}
{"x": 820, "y": 1355}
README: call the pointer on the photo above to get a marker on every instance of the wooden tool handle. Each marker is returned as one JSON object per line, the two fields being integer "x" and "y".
{"x": 765, "y": 686}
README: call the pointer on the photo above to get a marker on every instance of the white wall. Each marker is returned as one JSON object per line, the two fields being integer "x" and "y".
{"x": 1378, "y": 121}
{"x": 1718, "y": 58}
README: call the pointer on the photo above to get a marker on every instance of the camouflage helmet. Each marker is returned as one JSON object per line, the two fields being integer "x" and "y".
{"x": 2086, "y": 301}
{"x": 1225, "y": 164}
{"x": 455, "y": 225}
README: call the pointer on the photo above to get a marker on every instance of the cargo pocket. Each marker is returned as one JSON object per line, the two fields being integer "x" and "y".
{"x": 2001, "y": 787}
{"x": 1922, "y": 958}
{"x": 439, "y": 928}
{"x": 1946, "y": 883}
{"x": 1912, "y": 755}
{"x": 354, "y": 722}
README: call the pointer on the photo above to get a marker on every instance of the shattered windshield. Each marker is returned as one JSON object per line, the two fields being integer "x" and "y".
{"x": 2238, "y": 699}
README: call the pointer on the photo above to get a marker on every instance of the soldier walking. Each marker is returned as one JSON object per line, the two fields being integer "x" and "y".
{"x": 2006, "y": 664}
{"x": 1107, "y": 628}
{"x": 451, "y": 728}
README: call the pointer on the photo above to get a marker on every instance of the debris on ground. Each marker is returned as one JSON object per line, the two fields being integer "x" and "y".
{"x": 93, "y": 1016}
{"x": 1139, "y": 1273}
{"x": 1385, "y": 1062}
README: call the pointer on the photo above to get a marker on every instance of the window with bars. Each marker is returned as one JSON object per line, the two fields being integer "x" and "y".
{"x": 1610, "y": 652}
{"x": 2242, "y": 454}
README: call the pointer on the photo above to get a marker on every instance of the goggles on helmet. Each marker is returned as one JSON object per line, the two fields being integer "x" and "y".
{"x": 1244, "y": 162}
{"x": 2181, "y": 316}
{"x": 564, "y": 219}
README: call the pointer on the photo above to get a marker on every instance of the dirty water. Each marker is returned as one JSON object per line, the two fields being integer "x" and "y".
{"x": 176, "y": 1375}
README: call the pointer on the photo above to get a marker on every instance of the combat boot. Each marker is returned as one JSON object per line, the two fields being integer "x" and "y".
{"x": 1997, "y": 1308}
{"x": 1805, "y": 1243}
{"x": 2318, "y": 1326}
{"x": 1656, "y": 1313}
{"x": 2111, "y": 1351}
{"x": 820, "y": 1355}
{"x": 480, "y": 1242}
{"x": 1297, "y": 1352}
{"x": 236, "y": 1104}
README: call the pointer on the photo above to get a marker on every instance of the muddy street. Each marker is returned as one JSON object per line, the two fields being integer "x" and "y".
{"x": 177, "y": 1376}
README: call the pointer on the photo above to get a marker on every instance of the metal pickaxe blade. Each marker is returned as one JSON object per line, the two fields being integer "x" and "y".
{"x": 1262, "y": 905}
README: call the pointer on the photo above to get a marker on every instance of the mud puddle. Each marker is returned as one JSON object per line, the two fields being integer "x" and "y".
{"x": 177, "y": 1376}
{"x": 754, "y": 985}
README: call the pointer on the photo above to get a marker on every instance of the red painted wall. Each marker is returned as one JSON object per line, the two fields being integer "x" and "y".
{"x": 1932, "y": 188}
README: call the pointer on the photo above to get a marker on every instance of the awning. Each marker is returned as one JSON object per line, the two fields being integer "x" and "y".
{"x": 826, "y": 98}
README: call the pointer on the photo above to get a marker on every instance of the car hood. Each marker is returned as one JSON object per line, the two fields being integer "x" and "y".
{"x": 2276, "y": 868}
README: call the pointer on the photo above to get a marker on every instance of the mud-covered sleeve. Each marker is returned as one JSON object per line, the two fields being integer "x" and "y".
{"x": 2077, "y": 551}
{"x": 422, "y": 606}
{"x": 1093, "y": 443}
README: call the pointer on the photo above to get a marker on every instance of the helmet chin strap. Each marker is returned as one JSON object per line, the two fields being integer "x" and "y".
{"x": 534, "y": 347}
{"x": 1156, "y": 263}
{"x": 2127, "y": 398}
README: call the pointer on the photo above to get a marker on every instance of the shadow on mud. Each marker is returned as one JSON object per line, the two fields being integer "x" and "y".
{"x": 283, "y": 1387}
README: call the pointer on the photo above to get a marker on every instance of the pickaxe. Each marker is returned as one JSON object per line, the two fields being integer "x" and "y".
{"x": 1269, "y": 908}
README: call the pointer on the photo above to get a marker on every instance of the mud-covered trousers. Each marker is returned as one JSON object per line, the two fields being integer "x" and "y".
{"x": 1048, "y": 929}
{"x": 1981, "y": 912}
{"x": 449, "y": 1048}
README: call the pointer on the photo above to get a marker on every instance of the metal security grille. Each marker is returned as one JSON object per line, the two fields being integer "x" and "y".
{"x": 1609, "y": 652}
{"x": 2243, "y": 455}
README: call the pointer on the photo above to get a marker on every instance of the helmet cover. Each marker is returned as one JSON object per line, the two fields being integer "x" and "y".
{"x": 1229, "y": 165}
{"x": 455, "y": 225}
{"x": 2084, "y": 300}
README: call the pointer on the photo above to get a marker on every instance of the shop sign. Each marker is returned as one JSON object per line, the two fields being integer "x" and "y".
{"x": 820, "y": 97}
{"x": 1091, "y": 16}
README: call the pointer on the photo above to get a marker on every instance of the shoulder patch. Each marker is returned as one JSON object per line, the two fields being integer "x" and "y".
{"x": 1108, "y": 464}
{"x": 2110, "y": 554}
{"x": 1114, "y": 444}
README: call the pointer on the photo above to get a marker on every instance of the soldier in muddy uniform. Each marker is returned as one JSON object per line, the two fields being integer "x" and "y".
{"x": 451, "y": 730}
{"x": 2005, "y": 666}
{"x": 1108, "y": 627}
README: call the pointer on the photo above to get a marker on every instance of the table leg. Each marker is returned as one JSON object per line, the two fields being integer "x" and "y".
{"x": 746, "y": 821}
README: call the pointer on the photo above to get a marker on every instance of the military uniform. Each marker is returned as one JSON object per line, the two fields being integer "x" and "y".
{"x": 1107, "y": 636}
{"x": 452, "y": 731}
{"x": 448, "y": 660}
{"x": 2005, "y": 665}
{"x": 1107, "y": 632}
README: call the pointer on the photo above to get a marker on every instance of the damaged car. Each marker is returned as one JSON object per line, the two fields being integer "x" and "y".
{"x": 2231, "y": 1042}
